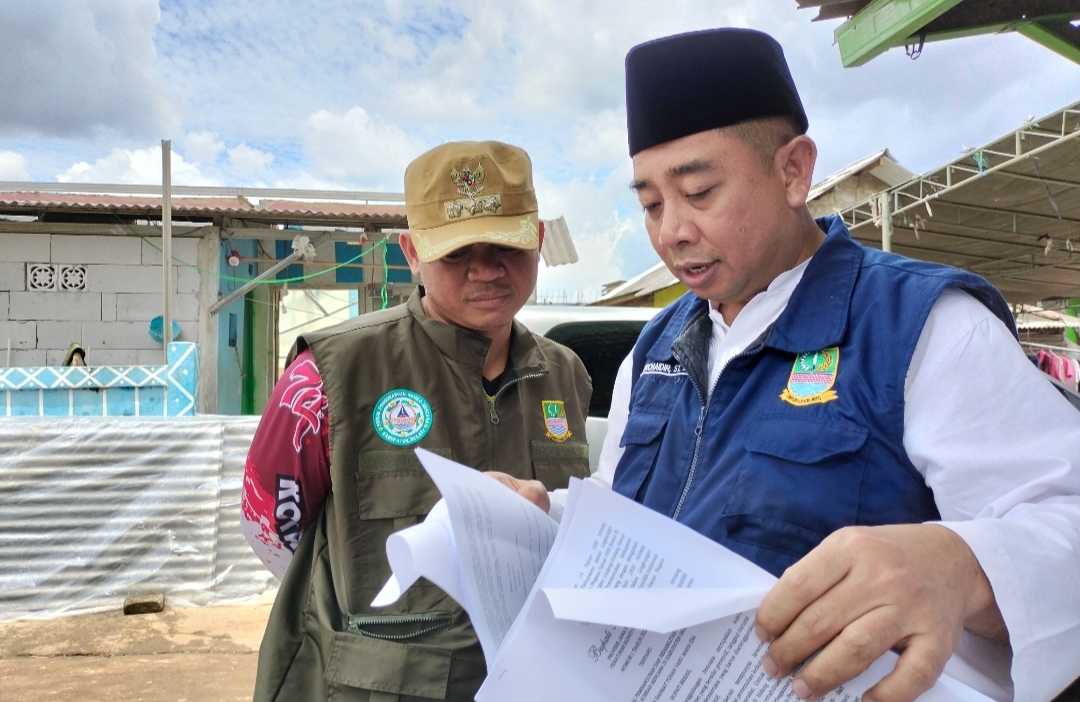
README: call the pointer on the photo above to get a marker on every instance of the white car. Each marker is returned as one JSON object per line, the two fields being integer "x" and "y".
{"x": 601, "y": 337}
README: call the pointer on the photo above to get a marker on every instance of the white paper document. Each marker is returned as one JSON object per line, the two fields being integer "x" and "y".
{"x": 588, "y": 609}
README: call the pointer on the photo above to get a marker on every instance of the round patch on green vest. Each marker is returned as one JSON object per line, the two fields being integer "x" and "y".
{"x": 402, "y": 417}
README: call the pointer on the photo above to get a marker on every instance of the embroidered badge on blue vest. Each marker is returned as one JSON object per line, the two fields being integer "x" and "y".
{"x": 812, "y": 378}
{"x": 558, "y": 429}
{"x": 401, "y": 417}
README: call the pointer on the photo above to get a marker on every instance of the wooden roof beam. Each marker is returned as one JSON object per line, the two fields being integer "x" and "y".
{"x": 884, "y": 24}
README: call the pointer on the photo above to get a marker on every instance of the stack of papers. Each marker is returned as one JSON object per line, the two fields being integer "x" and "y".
{"x": 588, "y": 609}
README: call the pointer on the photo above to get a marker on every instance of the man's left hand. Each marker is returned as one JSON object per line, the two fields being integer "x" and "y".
{"x": 865, "y": 590}
{"x": 532, "y": 490}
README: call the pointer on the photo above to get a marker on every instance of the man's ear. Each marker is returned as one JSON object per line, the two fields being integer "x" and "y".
{"x": 796, "y": 161}
{"x": 540, "y": 246}
{"x": 407, "y": 248}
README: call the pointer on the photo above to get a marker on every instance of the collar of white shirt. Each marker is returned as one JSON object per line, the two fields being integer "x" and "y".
{"x": 762, "y": 310}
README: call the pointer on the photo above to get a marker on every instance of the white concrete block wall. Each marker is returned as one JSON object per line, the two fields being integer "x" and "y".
{"x": 117, "y": 250}
{"x": 55, "y": 357}
{"x": 13, "y": 276}
{"x": 59, "y": 335}
{"x": 24, "y": 357}
{"x": 112, "y": 317}
{"x": 54, "y": 306}
{"x": 126, "y": 357}
{"x": 108, "y": 307}
{"x": 129, "y": 279}
{"x": 128, "y": 335}
{"x": 187, "y": 280}
{"x": 148, "y": 357}
{"x": 24, "y": 248}
{"x": 183, "y": 249}
{"x": 21, "y": 335}
{"x": 131, "y": 307}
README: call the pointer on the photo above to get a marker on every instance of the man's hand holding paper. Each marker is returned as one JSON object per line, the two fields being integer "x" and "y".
{"x": 601, "y": 610}
{"x": 866, "y": 590}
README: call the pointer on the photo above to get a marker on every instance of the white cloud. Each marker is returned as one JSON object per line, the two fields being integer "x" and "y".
{"x": 600, "y": 139}
{"x": 357, "y": 148}
{"x": 13, "y": 166}
{"x": 544, "y": 74}
{"x": 203, "y": 147}
{"x": 137, "y": 167}
{"x": 79, "y": 68}
{"x": 246, "y": 159}
{"x": 606, "y": 227}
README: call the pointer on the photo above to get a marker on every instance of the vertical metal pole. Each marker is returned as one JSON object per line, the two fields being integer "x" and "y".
{"x": 885, "y": 205}
{"x": 166, "y": 245}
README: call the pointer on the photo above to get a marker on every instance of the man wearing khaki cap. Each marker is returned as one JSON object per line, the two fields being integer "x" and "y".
{"x": 331, "y": 472}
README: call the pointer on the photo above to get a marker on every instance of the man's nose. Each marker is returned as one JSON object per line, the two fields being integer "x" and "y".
{"x": 676, "y": 227}
{"x": 486, "y": 264}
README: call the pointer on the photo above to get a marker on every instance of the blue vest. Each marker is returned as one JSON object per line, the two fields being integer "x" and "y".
{"x": 803, "y": 434}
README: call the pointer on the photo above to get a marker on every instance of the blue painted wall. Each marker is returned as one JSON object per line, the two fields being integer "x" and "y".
{"x": 230, "y": 321}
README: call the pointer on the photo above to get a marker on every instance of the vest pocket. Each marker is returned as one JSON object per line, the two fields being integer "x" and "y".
{"x": 366, "y": 664}
{"x": 393, "y": 484}
{"x": 641, "y": 439}
{"x": 800, "y": 480}
{"x": 554, "y": 464}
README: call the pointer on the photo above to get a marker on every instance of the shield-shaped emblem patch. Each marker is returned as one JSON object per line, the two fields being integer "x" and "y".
{"x": 558, "y": 429}
{"x": 812, "y": 378}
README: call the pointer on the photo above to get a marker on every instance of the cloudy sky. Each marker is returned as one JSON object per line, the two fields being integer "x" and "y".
{"x": 342, "y": 95}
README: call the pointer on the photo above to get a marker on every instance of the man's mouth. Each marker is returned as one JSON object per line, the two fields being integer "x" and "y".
{"x": 695, "y": 267}
{"x": 489, "y": 296}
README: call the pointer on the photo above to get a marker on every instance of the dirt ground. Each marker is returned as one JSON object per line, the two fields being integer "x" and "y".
{"x": 183, "y": 654}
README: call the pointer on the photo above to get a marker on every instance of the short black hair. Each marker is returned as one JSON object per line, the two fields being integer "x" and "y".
{"x": 765, "y": 136}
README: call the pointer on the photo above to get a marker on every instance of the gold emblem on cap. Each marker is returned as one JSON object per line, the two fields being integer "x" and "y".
{"x": 470, "y": 183}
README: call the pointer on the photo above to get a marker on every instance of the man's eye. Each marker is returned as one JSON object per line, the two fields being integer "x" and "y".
{"x": 454, "y": 256}
{"x": 650, "y": 207}
{"x": 698, "y": 195}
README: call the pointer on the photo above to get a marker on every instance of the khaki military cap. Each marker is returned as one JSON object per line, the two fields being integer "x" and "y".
{"x": 471, "y": 192}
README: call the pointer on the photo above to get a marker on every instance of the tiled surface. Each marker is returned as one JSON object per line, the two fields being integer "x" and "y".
{"x": 169, "y": 390}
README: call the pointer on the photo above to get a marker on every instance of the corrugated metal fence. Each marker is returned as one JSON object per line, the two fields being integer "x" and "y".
{"x": 95, "y": 509}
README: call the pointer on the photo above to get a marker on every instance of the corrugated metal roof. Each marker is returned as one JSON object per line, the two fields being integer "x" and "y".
{"x": 1031, "y": 317}
{"x": 237, "y": 206}
{"x": 653, "y": 280}
{"x": 332, "y": 209}
{"x": 96, "y": 509}
{"x": 1007, "y": 211}
{"x": 880, "y": 164}
{"x": 120, "y": 203}
{"x": 558, "y": 248}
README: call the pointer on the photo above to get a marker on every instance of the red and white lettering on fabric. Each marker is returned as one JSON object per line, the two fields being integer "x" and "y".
{"x": 283, "y": 488}
{"x": 305, "y": 398}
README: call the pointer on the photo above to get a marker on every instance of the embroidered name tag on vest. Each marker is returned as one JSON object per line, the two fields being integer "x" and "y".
{"x": 663, "y": 369}
{"x": 812, "y": 378}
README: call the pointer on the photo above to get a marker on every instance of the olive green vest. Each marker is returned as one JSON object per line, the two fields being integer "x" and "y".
{"x": 324, "y": 640}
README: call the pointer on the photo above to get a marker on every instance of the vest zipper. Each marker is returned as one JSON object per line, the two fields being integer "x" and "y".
{"x": 701, "y": 425}
{"x": 495, "y": 415}
{"x": 431, "y": 620}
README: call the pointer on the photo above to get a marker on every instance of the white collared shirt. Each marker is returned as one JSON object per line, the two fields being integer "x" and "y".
{"x": 999, "y": 447}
